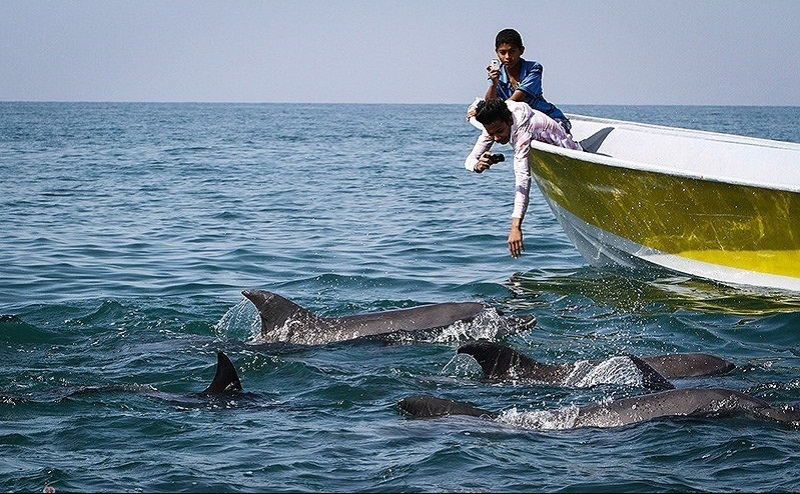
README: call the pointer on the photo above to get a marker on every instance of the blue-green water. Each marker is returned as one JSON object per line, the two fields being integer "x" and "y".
{"x": 129, "y": 230}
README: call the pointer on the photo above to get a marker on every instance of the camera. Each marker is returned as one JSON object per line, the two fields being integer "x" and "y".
{"x": 494, "y": 64}
{"x": 497, "y": 158}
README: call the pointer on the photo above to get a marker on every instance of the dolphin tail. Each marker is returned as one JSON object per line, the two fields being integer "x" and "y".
{"x": 651, "y": 379}
{"x": 429, "y": 406}
{"x": 225, "y": 380}
{"x": 497, "y": 360}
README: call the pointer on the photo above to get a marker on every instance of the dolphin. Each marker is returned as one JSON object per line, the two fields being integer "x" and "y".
{"x": 284, "y": 321}
{"x": 500, "y": 362}
{"x": 224, "y": 384}
{"x": 673, "y": 403}
{"x": 670, "y": 402}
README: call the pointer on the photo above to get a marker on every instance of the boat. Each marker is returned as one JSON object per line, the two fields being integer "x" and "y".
{"x": 710, "y": 205}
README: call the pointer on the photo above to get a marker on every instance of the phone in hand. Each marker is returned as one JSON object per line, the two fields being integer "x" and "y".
{"x": 494, "y": 64}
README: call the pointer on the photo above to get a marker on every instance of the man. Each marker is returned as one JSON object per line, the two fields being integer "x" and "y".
{"x": 517, "y": 123}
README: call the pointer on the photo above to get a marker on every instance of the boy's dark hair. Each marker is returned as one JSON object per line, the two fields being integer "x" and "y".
{"x": 509, "y": 36}
{"x": 493, "y": 110}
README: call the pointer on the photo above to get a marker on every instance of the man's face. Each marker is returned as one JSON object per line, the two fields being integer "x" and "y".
{"x": 499, "y": 131}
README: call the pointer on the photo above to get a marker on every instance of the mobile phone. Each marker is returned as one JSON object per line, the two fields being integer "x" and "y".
{"x": 494, "y": 64}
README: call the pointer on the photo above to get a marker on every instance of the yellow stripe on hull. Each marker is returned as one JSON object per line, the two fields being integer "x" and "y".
{"x": 737, "y": 226}
{"x": 781, "y": 262}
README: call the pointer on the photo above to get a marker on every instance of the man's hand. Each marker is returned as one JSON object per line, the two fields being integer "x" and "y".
{"x": 515, "y": 244}
{"x": 486, "y": 161}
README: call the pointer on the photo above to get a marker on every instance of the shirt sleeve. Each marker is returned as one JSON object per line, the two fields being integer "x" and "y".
{"x": 532, "y": 82}
{"x": 483, "y": 144}
{"x": 522, "y": 173}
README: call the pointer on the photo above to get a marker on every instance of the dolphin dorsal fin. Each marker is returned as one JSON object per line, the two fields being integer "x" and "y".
{"x": 275, "y": 310}
{"x": 651, "y": 379}
{"x": 497, "y": 360}
{"x": 225, "y": 379}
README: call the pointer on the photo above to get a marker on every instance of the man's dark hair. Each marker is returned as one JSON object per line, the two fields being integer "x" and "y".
{"x": 493, "y": 110}
{"x": 509, "y": 36}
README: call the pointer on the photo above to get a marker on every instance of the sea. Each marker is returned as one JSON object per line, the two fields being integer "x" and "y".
{"x": 129, "y": 231}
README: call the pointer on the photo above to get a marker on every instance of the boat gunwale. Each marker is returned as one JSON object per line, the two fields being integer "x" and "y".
{"x": 606, "y": 160}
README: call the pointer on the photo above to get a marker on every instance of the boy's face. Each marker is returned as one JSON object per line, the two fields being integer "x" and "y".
{"x": 509, "y": 54}
{"x": 499, "y": 130}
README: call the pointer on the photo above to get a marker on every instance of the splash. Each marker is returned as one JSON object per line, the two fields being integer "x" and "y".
{"x": 462, "y": 365}
{"x": 562, "y": 418}
{"x": 489, "y": 325}
{"x": 240, "y": 322}
{"x": 615, "y": 370}
{"x": 298, "y": 332}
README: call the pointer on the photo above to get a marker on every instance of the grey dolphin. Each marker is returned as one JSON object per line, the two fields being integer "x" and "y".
{"x": 687, "y": 402}
{"x": 670, "y": 403}
{"x": 225, "y": 383}
{"x": 284, "y": 321}
{"x": 500, "y": 362}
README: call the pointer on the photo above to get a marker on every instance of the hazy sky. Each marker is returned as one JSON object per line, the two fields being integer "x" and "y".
{"x": 685, "y": 52}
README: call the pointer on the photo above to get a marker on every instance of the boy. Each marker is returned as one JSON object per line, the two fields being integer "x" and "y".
{"x": 518, "y": 79}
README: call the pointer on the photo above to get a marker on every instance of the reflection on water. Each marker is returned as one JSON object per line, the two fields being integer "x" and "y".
{"x": 653, "y": 291}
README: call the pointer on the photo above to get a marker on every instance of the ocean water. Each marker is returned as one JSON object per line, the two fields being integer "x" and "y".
{"x": 129, "y": 231}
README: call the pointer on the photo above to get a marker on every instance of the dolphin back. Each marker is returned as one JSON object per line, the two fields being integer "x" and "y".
{"x": 684, "y": 402}
{"x": 499, "y": 361}
{"x": 225, "y": 379}
{"x": 689, "y": 365}
{"x": 423, "y": 317}
{"x": 426, "y": 406}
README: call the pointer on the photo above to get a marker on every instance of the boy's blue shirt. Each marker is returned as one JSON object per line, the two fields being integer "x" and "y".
{"x": 530, "y": 77}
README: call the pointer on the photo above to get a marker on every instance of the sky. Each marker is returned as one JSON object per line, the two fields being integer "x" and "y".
{"x": 607, "y": 52}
